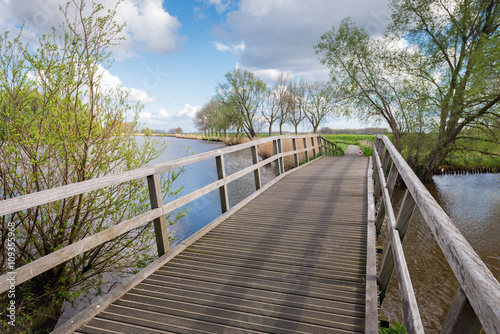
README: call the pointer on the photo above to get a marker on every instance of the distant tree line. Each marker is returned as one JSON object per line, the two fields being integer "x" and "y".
{"x": 244, "y": 103}
{"x": 366, "y": 131}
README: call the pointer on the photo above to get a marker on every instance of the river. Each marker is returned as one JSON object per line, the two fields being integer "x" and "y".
{"x": 472, "y": 201}
{"x": 473, "y": 204}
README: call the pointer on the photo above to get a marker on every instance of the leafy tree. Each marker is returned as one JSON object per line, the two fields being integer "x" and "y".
{"x": 241, "y": 95}
{"x": 61, "y": 127}
{"x": 319, "y": 102}
{"x": 297, "y": 103}
{"x": 433, "y": 77}
{"x": 282, "y": 96}
{"x": 178, "y": 130}
{"x": 270, "y": 109}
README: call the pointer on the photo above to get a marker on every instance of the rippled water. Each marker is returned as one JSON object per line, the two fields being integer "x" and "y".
{"x": 473, "y": 204}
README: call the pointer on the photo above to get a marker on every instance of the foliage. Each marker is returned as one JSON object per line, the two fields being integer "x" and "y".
{"x": 240, "y": 96}
{"x": 436, "y": 73}
{"x": 397, "y": 328}
{"x": 60, "y": 126}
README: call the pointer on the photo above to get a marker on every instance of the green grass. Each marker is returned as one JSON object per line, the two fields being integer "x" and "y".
{"x": 397, "y": 328}
{"x": 343, "y": 141}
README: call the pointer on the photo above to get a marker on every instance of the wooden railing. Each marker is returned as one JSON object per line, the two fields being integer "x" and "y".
{"x": 158, "y": 209}
{"x": 330, "y": 147}
{"x": 477, "y": 302}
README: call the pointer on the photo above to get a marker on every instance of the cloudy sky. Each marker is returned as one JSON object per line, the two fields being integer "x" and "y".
{"x": 176, "y": 51}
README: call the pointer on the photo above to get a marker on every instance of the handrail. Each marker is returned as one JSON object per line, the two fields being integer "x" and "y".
{"x": 332, "y": 144}
{"x": 159, "y": 210}
{"x": 479, "y": 285}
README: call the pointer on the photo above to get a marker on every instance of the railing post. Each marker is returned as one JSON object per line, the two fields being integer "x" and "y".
{"x": 221, "y": 174}
{"x": 160, "y": 223}
{"x": 376, "y": 176}
{"x": 307, "y": 153}
{"x": 280, "y": 150}
{"x": 320, "y": 143}
{"x": 296, "y": 155}
{"x": 402, "y": 222}
{"x": 278, "y": 162}
{"x": 256, "y": 173}
{"x": 391, "y": 182}
{"x": 461, "y": 318}
{"x": 314, "y": 150}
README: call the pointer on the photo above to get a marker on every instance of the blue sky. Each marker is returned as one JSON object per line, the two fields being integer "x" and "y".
{"x": 178, "y": 50}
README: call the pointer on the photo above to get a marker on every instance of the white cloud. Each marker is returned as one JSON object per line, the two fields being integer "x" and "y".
{"x": 149, "y": 26}
{"x": 188, "y": 111}
{"x": 280, "y": 34}
{"x": 110, "y": 81}
{"x": 234, "y": 48}
{"x": 219, "y": 5}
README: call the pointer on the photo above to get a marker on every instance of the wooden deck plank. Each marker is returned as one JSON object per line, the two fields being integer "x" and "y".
{"x": 293, "y": 260}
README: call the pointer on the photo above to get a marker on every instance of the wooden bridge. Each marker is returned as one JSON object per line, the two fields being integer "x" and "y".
{"x": 297, "y": 256}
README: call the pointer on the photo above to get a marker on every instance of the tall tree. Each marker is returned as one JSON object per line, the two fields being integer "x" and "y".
{"x": 459, "y": 44}
{"x": 270, "y": 109}
{"x": 433, "y": 77}
{"x": 283, "y": 99}
{"x": 318, "y": 103}
{"x": 242, "y": 94}
{"x": 61, "y": 127}
{"x": 296, "y": 101}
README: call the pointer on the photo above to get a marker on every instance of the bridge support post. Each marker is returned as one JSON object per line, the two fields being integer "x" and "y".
{"x": 314, "y": 150}
{"x": 278, "y": 162}
{"x": 221, "y": 174}
{"x": 280, "y": 150}
{"x": 296, "y": 155}
{"x": 402, "y": 223}
{"x": 391, "y": 182}
{"x": 160, "y": 223}
{"x": 461, "y": 318}
{"x": 307, "y": 153}
{"x": 320, "y": 143}
{"x": 256, "y": 173}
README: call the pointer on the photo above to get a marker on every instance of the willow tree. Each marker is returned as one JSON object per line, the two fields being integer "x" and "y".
{"x": 60, "y": 126}
{"x": 242, "y": 94}
{"x": 319, "y": 102}
{"x": 435, "y": 74}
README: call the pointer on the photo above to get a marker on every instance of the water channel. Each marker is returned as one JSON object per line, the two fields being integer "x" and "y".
{"x": 472, "y": 202}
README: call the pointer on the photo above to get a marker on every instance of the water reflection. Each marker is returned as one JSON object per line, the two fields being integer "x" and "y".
{"x": 473, "y": 204}
{"x": 197, "y": 175}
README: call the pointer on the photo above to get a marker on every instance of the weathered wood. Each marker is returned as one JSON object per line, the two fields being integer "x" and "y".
{"x": 280, "y": 150}
{"x": 411, "y": 313}
{"x": 256, "y": 173}
{"x": 276, "y": 152}
{"x": 320, "y": 149}
{"x": 92, "y": 310}
{"x": 221, "y": 175}
{"x": 371, "y": 315}
{"x": 391, "y": 182}
{"x": 47, "y": 262}
{"x": 478, "y": 283}
{"x": 461, "y": 317}
{"x": 314, "y": 150}
{"x": 306, "y": 152}
{"x": 296, "y": 155}
{"x": 376, "y": 176}
{"x": 160, "y": 223}
{"x": 403, "y": 221}
{"x": 12, "y": 205}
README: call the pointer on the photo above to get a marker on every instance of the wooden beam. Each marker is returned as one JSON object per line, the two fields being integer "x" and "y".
{"x": 296, "y": 155}
{"x": 280, "y": 150}
{"x": 276, "y": 152}
{"x": 477, "y": 281}
{"x": 391, "y": 182}
{"x": 371, "y": 304}
{"x": 314, "y": 150}
{"x": 160, "y": 223}
{"x": 256, "y": 173}
{"x": 307, "y": 153}
{"x": 461, "y": 317}
{"x": 411, "y": 313}
{"x": 221, "y": 175}
{"x": 403, "y": 221}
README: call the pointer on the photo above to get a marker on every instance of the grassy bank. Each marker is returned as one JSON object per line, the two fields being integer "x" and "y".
{"x": 364, "y": 141}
